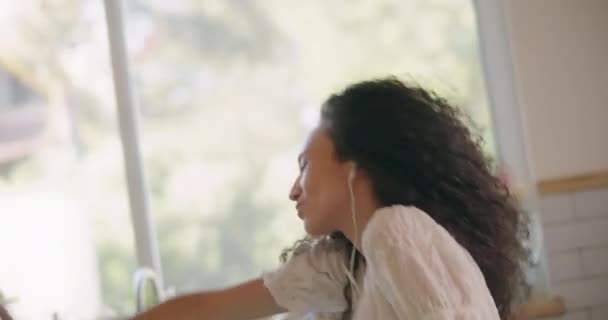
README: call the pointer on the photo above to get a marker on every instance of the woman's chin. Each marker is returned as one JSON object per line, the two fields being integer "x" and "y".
{"x": 314, "y": 230}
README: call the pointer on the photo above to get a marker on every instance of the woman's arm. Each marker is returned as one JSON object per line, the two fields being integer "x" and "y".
{"x": 247, "y": 301}
{"x": 4, "y": 314}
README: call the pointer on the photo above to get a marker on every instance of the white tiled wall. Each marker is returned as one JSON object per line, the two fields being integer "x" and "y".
{"x": 576, "y": 239}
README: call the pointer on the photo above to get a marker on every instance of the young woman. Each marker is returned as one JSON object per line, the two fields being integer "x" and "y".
{"x": 406, "y": 221}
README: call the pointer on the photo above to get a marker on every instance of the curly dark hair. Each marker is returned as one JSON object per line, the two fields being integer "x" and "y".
{"x": 419, "y": 150}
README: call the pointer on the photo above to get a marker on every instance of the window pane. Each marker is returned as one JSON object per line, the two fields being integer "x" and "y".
{"x": 228, "y": 90}
{"x": 65, "y": 232}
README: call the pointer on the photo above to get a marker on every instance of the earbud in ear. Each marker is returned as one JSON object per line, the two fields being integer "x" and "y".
{"x": 352, "y": 172}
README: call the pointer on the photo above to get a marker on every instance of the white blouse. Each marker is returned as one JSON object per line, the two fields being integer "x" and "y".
{"x": 413, "y": 269}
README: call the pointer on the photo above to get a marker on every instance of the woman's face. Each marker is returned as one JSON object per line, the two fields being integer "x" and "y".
{"x": 321, "y": 189}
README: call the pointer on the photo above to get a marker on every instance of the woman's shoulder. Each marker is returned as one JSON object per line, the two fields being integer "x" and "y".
{"x": 421, "y": 269}
{"x": 412, "y": 234}
{"x": 399, "y": 226}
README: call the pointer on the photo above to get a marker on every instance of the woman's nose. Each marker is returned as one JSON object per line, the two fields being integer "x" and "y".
{"x": 296, "y": 190}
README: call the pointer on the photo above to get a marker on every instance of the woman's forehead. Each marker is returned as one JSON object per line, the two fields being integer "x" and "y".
{"x": 318, "y": 141}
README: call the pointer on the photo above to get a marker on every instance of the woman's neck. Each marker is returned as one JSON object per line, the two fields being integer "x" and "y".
{"x": 365, "y": 205}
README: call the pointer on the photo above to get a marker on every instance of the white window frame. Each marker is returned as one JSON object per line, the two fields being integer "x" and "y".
{"x": 509, "y": 122}
{"x": 146, "y": 246}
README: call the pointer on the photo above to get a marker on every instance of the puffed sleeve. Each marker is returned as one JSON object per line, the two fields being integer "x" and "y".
{"x": 312, "y": 280}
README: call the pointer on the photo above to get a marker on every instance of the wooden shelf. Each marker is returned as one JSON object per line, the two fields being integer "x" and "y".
{"x": 541, "y": 308}
{"x": 592, "y": 180}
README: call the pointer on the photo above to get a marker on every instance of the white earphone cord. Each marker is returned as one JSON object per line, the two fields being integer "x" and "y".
{"x": 350, "y": 273}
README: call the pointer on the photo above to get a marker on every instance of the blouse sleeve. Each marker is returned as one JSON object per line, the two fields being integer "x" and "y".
{"x": 421, "y": 270}
{"x": 312, "y": 280}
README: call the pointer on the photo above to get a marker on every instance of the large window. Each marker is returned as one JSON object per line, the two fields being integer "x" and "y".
{"x": 227, "y": 91}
